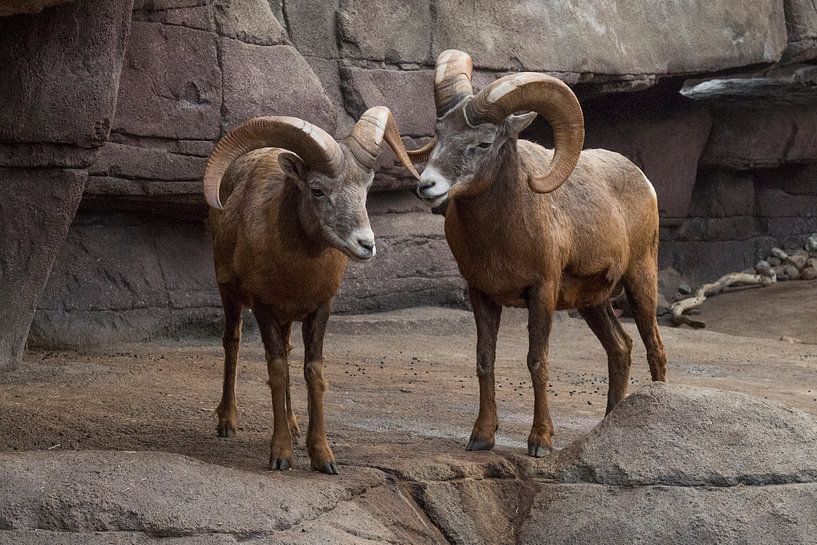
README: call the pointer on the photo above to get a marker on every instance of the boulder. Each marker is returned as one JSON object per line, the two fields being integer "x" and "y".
{"x": 691, "y": 436}
{"x": 34, "y": 220}
{"x": 808, "y": 273}
{"x": 182, "y": 97}
{"x": 126, "y": 161}
{"x": 271, "y": 80}
{"x": 58, "y": 94}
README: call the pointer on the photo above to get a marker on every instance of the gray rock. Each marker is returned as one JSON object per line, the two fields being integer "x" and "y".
{"x": 801, "y": 24}
{"x": 182, "y": 96}
{"x": 812, "y": 262}
{"x": 693, "y": 437}
{"x": 671, "y": 515}
{"x": 763, "y": 267}
{"x": 811, "y": 244}
{"x": 312, "y": 26}
{"x": 798, "y": 259}
{"x": 589, "y": 37}
{"x": 271, "y": 80}
{"x": 791, "y": 272}
{"x": 774, "y": 261}
{"x": 778, "y": 253}
{"x": 780, "y": 272}
{"x": 34, "y": 221}
{"x": 409, "y": 95}
{"x": 368, "y": 30}
{"x": 808, "y": 273}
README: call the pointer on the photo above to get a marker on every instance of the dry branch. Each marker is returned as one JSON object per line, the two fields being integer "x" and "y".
{"x": 678, "y": 308}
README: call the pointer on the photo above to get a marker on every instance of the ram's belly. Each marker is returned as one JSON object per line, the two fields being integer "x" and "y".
{"x": 584, "y": 291}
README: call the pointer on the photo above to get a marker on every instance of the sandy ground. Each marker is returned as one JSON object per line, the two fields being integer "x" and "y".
{"x": 402, "y": 383}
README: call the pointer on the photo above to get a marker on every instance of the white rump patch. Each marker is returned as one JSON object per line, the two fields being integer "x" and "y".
{"x": 649, "y": 185}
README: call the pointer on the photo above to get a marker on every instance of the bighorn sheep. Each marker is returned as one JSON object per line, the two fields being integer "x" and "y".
{"x": 539, "y": 228}
{"x": 279, "y": 243}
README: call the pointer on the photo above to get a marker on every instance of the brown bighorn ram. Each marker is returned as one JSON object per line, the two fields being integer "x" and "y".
{"x": 539, "y": 228}
{"x": 280, "y": 244}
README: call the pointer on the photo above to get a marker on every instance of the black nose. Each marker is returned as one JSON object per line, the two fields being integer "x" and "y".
{"x": 366, "y": 243}
{"x": 426, "y": 185}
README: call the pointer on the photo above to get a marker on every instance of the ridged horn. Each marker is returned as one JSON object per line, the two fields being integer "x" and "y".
{"x": 374, "y": 126}
{"x": 549, "y": 97}
{"x": 452, "y": 79}
{"x": 314, "y": 146}
{"x": 420, "y": 155}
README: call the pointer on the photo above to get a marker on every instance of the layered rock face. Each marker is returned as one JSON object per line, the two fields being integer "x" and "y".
{"x": 732, "y": 165}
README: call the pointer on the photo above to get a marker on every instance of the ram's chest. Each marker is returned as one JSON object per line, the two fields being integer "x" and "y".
{"x": 294, "y": 290}
{"x": 495, "y": 260}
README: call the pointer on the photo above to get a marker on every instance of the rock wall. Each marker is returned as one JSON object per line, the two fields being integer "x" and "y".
{"x": 732, "y": 162}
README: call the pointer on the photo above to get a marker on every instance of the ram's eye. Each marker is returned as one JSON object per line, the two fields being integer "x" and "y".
{"x": 484, "y": 145}
{"x": 318, "y": 193}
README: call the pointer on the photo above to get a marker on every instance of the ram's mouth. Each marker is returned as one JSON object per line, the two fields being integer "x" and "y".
{"x": 359, "y": 253}
{"x": 434, "y": 202}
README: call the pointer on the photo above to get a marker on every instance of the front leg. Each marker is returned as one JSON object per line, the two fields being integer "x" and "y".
{"x": 541, "y": 306}
{"x": 487, "y": 315}
{"x": 276, "y": 352}
{"x": 313, "y": 329}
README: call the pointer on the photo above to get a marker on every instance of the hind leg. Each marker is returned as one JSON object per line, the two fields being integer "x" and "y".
{"x": 618, "y": 345}
{"x": 286, "y": 331}
{"x": 227, "y": 410}
{"x": 641, "y": 284}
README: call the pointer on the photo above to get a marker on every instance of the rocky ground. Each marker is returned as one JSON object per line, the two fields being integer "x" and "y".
{"x": 399, "y": 411}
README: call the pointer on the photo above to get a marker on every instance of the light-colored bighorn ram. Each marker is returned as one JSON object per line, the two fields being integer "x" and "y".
{"x": 539, "y": 228}
{"x": 290, "y": 218}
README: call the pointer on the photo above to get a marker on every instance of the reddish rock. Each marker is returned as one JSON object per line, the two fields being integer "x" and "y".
{"x": 801, "y": 25}
{"x": 754, "y": 138}
{"x": 60, "y": 90}
{"x": 665, "y": 141}
{"x": 271, "y": 80}
{"x": 722, "y": 193}
{"x": 34, "y": 220}
{"x": 171, "y": 83}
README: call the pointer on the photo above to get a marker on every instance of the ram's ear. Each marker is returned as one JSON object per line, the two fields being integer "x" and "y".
{"x": 514, "y": 124}
{"x": 293, "y": 167}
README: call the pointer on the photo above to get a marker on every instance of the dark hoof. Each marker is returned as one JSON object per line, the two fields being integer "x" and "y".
{"x": 329, "y": 468}
{"x": 539, "y": 451}
{"x": 480, "y": 444}
{"x": 225, "y": 429}
{"x": 280, "y": 464}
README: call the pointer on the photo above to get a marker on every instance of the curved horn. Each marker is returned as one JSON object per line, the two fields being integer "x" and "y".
{"x": 318, "y": 150}
{"x": 452, "y": 80}
{"x": 420, "y": 155}
{"x": 549, "y": 97}
{"x": 375, "y": 125}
